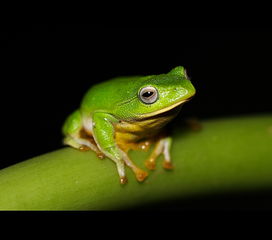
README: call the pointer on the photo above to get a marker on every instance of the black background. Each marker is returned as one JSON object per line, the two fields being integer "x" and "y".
{"x": 46, "y": 69}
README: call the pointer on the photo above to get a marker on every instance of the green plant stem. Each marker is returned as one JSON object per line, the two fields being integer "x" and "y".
{"x": 227, "y": 154}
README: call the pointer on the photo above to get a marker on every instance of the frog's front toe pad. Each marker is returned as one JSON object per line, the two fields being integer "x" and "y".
{"x": 150, "y": 164}
{"x": 141, "y": 175}
{"x": 123, "y": 180}
{"x": 168, "y": 165}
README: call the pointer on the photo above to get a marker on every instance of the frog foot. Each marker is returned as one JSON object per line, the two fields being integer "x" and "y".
{"x": 123, "y": 180}
{"x": 168, "y": 165}
{"x": 150, "y": 164}
{"x": 162, "y": 147}
{"x": 140, "y": 174}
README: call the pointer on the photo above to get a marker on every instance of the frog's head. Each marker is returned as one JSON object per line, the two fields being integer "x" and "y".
{"x": 160, "y": 93}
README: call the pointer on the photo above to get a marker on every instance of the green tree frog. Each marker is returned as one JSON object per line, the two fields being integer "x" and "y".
{"x": 127, "y": 113}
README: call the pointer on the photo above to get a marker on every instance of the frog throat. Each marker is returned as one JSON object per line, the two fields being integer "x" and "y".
{"x": 151, "y": 114}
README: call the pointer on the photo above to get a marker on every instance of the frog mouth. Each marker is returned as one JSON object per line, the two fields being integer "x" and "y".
{"x": 180, "y": 103}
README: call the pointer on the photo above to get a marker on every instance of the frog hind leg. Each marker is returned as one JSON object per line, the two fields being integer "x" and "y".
{"x": 162, "y": 147}
{"x": 82, "y": 144}
{"x": 76, "y": 137}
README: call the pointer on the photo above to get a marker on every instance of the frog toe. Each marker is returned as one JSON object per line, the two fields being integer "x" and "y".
{"x": 123, "y": 180}
{"x": 141, "y": 175}
{"x": 168, "y": 165}
{"x": 150, "y": 164}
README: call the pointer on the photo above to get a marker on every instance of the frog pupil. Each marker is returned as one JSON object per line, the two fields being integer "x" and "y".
{"x": 147, "y": 94}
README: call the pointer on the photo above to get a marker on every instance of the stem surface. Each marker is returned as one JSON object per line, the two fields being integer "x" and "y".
{"x": 226, "y": 154}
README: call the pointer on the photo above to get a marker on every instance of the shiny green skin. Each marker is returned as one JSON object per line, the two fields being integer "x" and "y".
{"x": 119, "y": 96}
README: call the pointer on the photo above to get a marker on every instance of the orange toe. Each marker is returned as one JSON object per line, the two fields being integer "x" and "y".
{"x": 150, "y": 164}
{"x": 141, "y": 175}
{"x": 168, "y": 165}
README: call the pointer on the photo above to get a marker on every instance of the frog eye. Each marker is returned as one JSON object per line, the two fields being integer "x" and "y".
{"x": 148, "y": 95}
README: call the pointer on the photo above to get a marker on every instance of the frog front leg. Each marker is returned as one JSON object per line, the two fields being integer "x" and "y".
{"x": 103, "y": 132}
{"x": 162, "y": 147}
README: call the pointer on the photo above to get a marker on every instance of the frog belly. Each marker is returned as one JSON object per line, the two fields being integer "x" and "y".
{"x": 138, "y": 130}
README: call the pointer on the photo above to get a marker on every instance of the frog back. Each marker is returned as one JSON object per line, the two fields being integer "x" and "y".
{"x": 105, "y": 96}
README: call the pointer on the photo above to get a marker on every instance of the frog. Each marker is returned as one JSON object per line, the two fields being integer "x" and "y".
{"x": 129, "y": 113}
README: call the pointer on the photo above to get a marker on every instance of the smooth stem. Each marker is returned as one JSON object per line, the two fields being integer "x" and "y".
{"x": 227, "y": 154}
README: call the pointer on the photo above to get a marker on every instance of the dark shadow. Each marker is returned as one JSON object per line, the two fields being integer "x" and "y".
{"x": 246, "y": 201}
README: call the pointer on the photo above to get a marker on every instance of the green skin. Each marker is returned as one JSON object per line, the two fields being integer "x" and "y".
{"x": 118, "y": 99}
